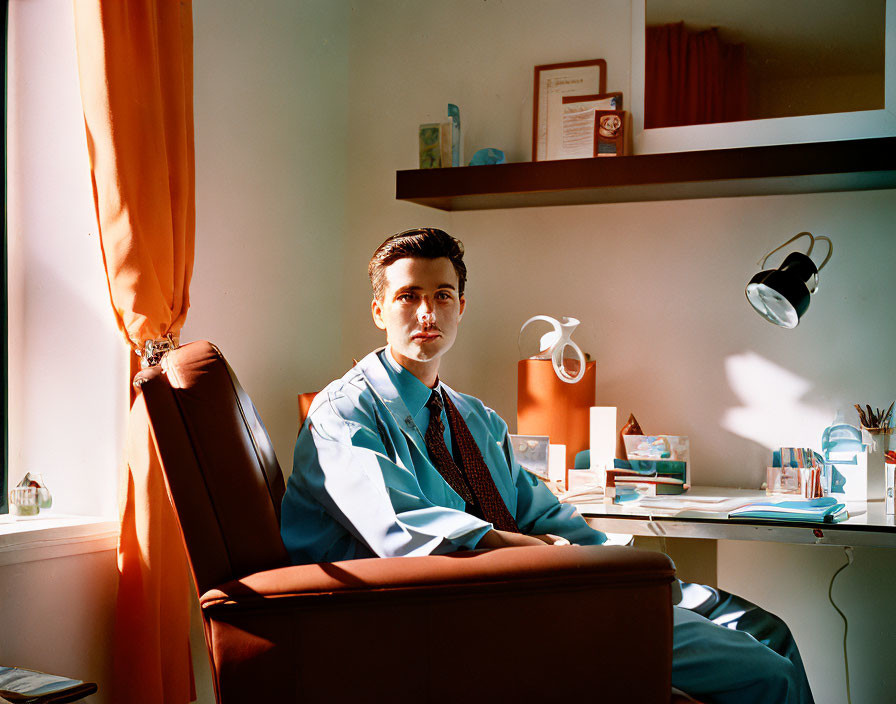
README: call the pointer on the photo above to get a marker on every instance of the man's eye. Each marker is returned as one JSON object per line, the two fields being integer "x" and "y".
{"x": 404, "y": 297}
{"x": 444, "y": 295}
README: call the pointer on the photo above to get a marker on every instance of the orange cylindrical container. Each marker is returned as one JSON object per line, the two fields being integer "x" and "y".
{"x": 546, "y": 405}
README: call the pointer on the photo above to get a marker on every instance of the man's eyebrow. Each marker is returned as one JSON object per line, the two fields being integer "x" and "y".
{"x": 414, "y": 287}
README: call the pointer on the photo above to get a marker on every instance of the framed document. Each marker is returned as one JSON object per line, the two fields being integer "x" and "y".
{"x": 552, "y": 81}
{"x": 571, "y": 124}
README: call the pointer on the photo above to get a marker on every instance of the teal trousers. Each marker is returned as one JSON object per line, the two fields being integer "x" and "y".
{"x": 727, "y": 650}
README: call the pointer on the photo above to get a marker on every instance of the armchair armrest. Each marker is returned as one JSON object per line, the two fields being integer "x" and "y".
{"x": 470, "y": 625}
{"x": 519, "y": 569}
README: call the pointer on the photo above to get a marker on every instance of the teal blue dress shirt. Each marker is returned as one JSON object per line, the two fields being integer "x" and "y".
{"x": 363, "y": 484}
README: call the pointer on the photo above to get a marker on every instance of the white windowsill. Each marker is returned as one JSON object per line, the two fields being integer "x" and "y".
{"x": 25, "y": 539}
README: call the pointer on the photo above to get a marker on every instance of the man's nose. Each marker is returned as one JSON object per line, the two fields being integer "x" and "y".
{"x": 426, "y": 311}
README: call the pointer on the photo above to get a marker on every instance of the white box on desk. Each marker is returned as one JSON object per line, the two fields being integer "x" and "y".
{"x": 584, "y": 479}
{"x": 890, "y": 496}
{"x": 602, "y": 436}
{"x": 854, "y": 484}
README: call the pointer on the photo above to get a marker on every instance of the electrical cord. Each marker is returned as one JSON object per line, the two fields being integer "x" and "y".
{"x": 847, "y": 549}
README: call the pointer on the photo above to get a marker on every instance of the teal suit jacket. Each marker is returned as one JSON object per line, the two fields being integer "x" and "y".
{"x": 363, "y": 484}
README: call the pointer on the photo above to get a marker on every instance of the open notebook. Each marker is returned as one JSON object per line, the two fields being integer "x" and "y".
{"x": 19, "y": 685}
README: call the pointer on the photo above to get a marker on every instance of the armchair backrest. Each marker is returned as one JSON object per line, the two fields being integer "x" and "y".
{"x": 305, "y": 406}
{"x": 222, "y": 475}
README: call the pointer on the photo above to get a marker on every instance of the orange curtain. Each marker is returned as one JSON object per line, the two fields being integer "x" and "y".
{"x": 692, "y": 77}
{"x": 135, "y": 60}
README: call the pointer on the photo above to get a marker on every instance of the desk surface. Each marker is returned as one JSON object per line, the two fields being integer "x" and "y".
{"x": 679, "y": 517}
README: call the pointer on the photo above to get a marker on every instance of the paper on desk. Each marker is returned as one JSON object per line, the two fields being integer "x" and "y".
{"x": 685, "y": 506}
{"x": 696, "y": 505}
{"x": 584, "y": 495}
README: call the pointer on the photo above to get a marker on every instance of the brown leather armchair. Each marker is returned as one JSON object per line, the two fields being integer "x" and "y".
{"x": 516, "y": 624}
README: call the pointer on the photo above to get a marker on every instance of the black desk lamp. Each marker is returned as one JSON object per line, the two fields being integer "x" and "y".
{"x": 781, "y": 295}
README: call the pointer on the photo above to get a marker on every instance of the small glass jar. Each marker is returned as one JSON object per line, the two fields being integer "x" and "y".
{"x": 24, "y": 501}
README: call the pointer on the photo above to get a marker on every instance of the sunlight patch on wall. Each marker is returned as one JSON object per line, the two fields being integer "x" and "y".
{"x": 772, "y": 412}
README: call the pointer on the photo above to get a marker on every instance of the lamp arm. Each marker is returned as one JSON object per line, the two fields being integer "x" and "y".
{"x": 764, "y": 259}
{"x": 830, "y": 250}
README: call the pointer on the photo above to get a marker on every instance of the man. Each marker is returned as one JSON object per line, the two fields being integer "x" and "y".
{"x": 393, "y": 462}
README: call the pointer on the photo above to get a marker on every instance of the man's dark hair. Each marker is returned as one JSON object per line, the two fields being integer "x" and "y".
{"x": 421, "y": 242}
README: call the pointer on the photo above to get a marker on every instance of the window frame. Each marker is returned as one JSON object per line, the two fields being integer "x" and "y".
{"x": 4, "y": 445}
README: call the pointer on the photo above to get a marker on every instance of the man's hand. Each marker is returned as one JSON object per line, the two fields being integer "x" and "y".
{"x": 506, "y": 539}
{"x": 552, "y": 539}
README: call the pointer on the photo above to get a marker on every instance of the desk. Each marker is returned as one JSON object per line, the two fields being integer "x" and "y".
{"x": 867, "y": 526}
{"x": 763, "y": 562}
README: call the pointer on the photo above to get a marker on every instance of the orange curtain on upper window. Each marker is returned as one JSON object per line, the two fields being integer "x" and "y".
{"x": 135, "y": 59}
{"x": 692, "y": 77}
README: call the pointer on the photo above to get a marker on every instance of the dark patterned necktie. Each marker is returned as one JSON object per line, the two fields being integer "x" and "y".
{"x": 477, "y": 487}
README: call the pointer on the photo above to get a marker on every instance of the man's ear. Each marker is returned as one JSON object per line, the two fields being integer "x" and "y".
{"x": 377, "y": 311}
{"x": 463, "y": 304}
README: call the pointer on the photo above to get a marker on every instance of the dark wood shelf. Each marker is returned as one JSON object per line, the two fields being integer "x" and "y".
{"x": 814, "y": 167}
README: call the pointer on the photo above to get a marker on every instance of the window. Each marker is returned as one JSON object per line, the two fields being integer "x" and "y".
{"x": 65, "y": 372}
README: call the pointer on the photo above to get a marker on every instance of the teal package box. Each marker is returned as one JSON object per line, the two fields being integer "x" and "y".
{"x": 675, "y": 469}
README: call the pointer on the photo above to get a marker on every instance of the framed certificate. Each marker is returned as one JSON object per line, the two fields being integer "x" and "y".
{"x": 571, "y": 124}
{"x": 552, "y": 81}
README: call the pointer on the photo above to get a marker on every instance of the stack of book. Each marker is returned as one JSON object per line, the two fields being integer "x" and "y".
{"x": 648, "y": 477}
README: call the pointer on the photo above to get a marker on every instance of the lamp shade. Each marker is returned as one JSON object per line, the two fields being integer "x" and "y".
{"x": 781, "y": 295}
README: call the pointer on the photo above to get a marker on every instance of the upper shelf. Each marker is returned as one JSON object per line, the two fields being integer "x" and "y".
{"x": 814, "y": 167}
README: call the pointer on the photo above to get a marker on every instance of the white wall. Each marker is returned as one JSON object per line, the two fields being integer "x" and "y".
{"x": 271, "y": 109}
{"x": 658, "y": 286}
{"x": 56, "y": 616}
{"x": 792, "y": 581}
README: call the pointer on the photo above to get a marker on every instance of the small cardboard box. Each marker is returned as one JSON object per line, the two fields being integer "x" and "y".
{"x": 611, "y": 133}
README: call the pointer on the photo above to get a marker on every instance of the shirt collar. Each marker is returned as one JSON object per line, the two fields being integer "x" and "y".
{"x": 412, "y": 391}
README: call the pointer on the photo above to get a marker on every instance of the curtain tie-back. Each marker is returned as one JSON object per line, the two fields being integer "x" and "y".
{"x": 154, "y": 350}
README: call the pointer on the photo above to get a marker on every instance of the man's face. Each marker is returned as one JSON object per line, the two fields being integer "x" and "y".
{"x": 420, "y": 311}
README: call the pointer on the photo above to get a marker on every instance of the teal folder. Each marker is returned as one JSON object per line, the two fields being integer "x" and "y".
{"x": 825, "y": 510}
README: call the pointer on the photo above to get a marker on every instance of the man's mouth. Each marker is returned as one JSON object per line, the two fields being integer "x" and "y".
{"x": 426, "y": 335}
